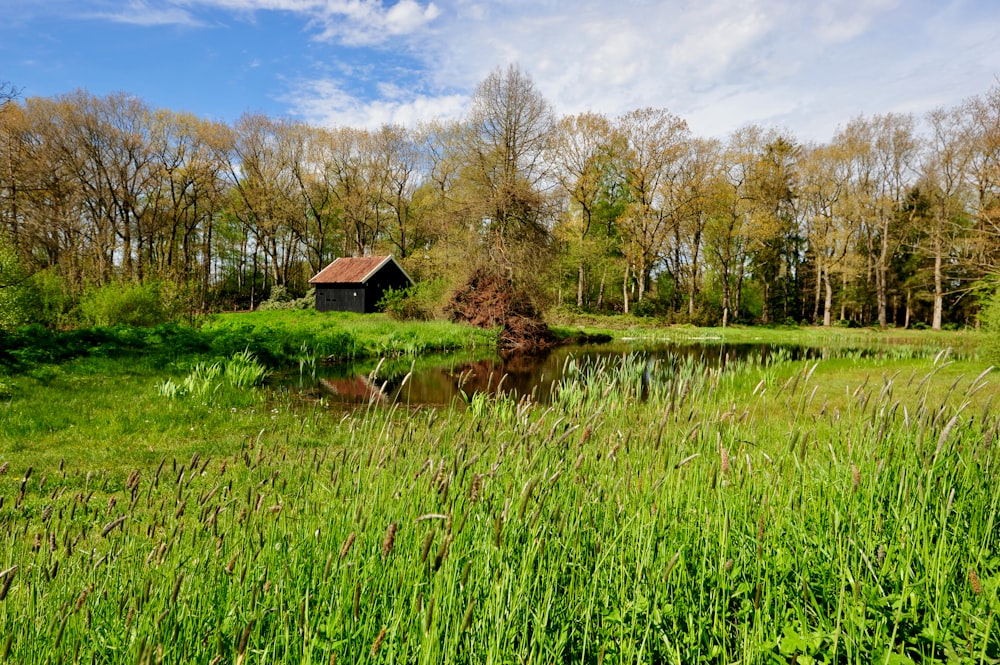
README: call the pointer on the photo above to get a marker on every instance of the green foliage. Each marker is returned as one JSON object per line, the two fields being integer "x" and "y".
{"x": 421, "y": 302}
{"x": 280, "y": 298}
{"x": 34, "y": 344}
{"x": 989, "y": 317}
{"x": 125, "y": 303}
{"x": 51, "y": 300}
{"x": 15, "y": 298}
{"x": 241, "y": 372}
{"x": 768, "y": 511}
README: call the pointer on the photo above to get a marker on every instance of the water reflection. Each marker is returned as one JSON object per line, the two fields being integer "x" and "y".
{"x": 442, "y": 380}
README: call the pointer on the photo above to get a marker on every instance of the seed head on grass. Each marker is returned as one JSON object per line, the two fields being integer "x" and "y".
{"x": 390, "y": 538}
{"x": 671, "y": 564}
{"x": 82, "y": 599}
{"x": 346, "y": 547}
{"x": 467, "y": 619}
{"x": 977, "y": 587}
{"x": 378, "y": 641}
{"x": 241, "y": 649}
{"x": 474, "y": 488}
{"x": 7, "y": 577}
{"x": 426, "y": 547}
{"x": 760, "y": 535}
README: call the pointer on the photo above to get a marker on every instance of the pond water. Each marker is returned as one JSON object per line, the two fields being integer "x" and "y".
{"x": 443, "y": 379}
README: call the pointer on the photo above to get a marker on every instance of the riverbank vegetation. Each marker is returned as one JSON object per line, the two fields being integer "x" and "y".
{"x": 839, "y": 509}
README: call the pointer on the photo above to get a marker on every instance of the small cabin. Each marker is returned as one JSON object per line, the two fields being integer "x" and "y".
{"x": 357, "y": 284}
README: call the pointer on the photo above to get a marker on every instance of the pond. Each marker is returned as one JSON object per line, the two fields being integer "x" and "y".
{"x": 444, "y": 379}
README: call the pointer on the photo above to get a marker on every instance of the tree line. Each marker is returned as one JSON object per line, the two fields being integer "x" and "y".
{"x": 893, "y": 221}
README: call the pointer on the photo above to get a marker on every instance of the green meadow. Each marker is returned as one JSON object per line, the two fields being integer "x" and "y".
{"x": 163, "y": 499}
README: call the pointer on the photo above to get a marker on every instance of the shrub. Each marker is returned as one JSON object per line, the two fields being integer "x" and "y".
{"x": 280, "y": 298}
{"x": 51, "y": 301}
{"x": 123, "y": 303}
{"x": 14, "y": 296}
{"x": 645, "y": 308}
{"x": 989, "y": 316}
{"x": 420, "y": 302}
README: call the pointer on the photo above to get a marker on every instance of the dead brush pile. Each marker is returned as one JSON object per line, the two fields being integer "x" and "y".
{"x": 489, "y": 301}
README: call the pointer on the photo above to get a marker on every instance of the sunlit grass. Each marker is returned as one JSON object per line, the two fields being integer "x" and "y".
{"x": 839, "y": 509}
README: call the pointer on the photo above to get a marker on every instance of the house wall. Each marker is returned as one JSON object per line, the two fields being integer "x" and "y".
{"x": 389, "y": 277}
{"x": 340, "y": 298}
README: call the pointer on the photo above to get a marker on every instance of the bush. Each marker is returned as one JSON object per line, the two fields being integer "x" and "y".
{"x": 123, "y": 303}
{"x": 420, "y": 302}
{"x": 14, "y": 296}
{"x": 989, "y": 316}
{"x": 645, "y": 308}
{"x": 280, "y": 298}
{"x": 51, "y": 302}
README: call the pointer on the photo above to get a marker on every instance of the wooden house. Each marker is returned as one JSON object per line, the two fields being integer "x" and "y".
{"x": 357, "y": 284}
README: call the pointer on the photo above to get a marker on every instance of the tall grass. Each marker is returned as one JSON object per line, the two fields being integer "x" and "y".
{"x": 761, "y": 511}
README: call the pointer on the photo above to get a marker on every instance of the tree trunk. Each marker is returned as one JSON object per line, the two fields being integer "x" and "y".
{"x": 600, "y": 290}
{"x": 725, "y": 299}
{"x": 579, "y": 286}
{"x": 938, "y": 289}
{"x": 625, "y": 289}
{"x": 820, "y": 275}
{"x": 763, "y": 310}
{"x": 881, "y": 280}
{"x": 843, "y": 299}
{"x": 828, "y": 303}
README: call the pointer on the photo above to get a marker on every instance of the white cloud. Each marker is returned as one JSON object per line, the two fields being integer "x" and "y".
{"x": 407, "y": 16}
{"x": 326, "y": 103}
{"x": 717, "y": 63}
{"x": 140, "y": 13}
{"x": 354, "y": 22}
{"x": 843, "y": 20}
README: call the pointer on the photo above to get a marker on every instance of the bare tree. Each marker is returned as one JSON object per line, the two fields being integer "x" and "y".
{"x": 510, "y": 133}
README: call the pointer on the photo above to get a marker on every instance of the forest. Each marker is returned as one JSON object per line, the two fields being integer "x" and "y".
{"x": 892, "y": 222}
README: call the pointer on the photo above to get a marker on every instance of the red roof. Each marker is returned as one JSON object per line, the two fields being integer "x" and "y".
{"x": 347, "y": 270}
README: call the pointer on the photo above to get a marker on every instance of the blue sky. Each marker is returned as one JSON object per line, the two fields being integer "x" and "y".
{"x": 802, "y": 65}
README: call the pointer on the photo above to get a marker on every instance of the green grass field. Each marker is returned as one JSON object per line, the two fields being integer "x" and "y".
{"x": 837, "y": 510}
